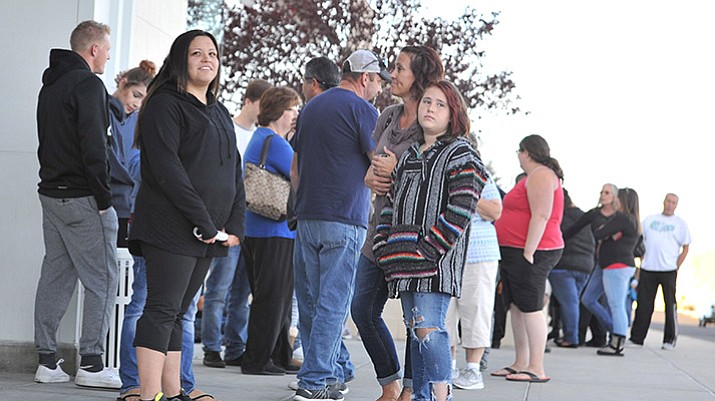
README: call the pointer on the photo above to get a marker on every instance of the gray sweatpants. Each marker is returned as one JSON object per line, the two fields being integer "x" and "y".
{"x": 79, "y": 243}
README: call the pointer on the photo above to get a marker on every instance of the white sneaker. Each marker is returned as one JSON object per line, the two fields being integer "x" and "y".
{"x": 668, "y": 346}
{"x": 293, "y": 385}
{"x": 469, "y": 379}
{"x": 455, "y": 373}
{"x": 105, "y": 378}
{"x": 47, "y": 375}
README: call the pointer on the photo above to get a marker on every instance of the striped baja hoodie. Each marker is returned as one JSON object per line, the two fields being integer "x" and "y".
{"x": 421, "y": 239}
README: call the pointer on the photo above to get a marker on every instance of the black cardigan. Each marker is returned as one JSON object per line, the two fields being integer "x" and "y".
{"x": 191, "y": 175}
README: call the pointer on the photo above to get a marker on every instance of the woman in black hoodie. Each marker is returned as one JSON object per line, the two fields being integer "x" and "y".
{"x": 191, "y": 196}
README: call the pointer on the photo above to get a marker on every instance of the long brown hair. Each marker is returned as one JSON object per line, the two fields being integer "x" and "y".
{"x": 175, "y": 70}
{"x": 539, "y": 151}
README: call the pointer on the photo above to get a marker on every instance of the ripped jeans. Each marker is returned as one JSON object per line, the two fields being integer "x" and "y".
{"x": 431, "y": 355}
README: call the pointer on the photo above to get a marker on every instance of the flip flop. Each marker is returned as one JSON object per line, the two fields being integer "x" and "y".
{"x": 196, "y": 395}
{"x": 509, "y": 371}
{"x": 130, "y": 395}
{"x": 532, "y": 377}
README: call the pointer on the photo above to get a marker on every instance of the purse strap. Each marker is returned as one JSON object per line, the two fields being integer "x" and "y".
{"x": 264, "y": 151}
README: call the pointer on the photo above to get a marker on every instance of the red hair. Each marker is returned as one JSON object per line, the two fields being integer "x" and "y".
{"x": 458, "y": 117}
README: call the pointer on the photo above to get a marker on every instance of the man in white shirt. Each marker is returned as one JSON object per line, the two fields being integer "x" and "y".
{"x": 245, "y": 122}
{"x": 667, "y": 240}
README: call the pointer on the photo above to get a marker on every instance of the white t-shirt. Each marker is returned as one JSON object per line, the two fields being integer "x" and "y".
{"x": 664, "y": 236}
{"x": 243, "y": 136}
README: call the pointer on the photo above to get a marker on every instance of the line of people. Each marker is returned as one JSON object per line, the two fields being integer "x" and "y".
{"x": 437, "y": 233}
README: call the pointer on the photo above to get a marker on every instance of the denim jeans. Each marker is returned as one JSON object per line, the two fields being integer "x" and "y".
{"x": 325, "y": 261}
{"x": 431, "y": 356}
{"x": 222, "y": 276}
{"x": 567, "y": 286}
{"x": 366, "y": 309}
{"x": 593, "y": 292}
{"x": 127, "y": 354}
{"x": 235, "y": 332}
{"x": 294, "y": 322}
{"x": 616, "y": 283}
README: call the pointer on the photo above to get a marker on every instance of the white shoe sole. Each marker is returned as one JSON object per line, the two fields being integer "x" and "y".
{"x": 40, "y": 379}
{"x": 477, "y": 386}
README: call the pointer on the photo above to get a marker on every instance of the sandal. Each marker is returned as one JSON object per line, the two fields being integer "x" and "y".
{"x": 131, "y": 395}
{"x": 530, "y": 377}
{"x": 499, "y": 373}
{"x": 197, "y": 395}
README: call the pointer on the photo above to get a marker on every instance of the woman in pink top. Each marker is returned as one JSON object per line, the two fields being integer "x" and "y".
{"x": 530, "y": 242}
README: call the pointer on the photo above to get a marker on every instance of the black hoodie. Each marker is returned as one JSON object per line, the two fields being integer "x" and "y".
{"x": 72, "y": 123}
{"x": 191, "y": 175}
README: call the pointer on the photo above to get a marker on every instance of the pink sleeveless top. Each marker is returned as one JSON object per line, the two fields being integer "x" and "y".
{"x": 513, "y": 225}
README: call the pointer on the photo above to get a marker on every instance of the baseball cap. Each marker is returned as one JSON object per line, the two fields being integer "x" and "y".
{"x": 367, "y": 61}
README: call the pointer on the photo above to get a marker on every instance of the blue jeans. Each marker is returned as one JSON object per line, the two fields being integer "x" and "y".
{"x": 567, "y": 286}
{"x": 431, "y": 355}
{"x": 235, "y": 332}
{"x": 616, "y": 283}
{"x": 127, "y": 354}
{"x": 222, "y": 276}
{"x": 367, "y": 306}
{"x": 594, "y": 290}
{"x": 325, "y": 261}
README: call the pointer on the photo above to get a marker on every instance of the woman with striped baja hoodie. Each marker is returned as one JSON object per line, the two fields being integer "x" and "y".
{"x": 421, "y": 239}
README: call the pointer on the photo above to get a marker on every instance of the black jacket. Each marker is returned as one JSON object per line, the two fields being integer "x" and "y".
{"x": 578, "y": 249}
{"x": 191, "y": 175}
{"x": 72, "y": 126}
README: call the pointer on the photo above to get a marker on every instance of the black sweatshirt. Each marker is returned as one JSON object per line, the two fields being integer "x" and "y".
{"x": 619, "y": 249}
{"x": 191, "y": 175}
{"x": 72, "y": 123}
{"x": 578, "y": 249}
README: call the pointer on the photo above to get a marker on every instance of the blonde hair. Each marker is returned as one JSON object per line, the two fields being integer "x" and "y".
{"x": 86, "y": 34}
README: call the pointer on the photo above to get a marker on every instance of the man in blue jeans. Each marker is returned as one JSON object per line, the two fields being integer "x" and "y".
{"x": 227, "y": 276}
{"x": 334, "y": 140}
{"x": 127, "y": 354}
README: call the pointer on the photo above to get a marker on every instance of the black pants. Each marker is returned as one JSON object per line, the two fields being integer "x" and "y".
{"x": 647, "y": 288}
{"x": 587, "y": 321}
{"x": 172, "y": 282}
{"x": 499, "y": 326}
{"x": 269, "y": 266}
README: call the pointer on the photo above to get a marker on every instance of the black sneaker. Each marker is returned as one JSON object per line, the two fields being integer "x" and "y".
{"x": 270, "y": 370}
{"x": 292, "y": 369}
{"x": 234, "y": 362}
{"x": 340, "y": 387}
{"x": 322, "y": 394}
{"x": 213, "y": 359}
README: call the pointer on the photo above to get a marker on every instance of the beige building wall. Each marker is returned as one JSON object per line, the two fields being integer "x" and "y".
{"x": 30, "y": 28}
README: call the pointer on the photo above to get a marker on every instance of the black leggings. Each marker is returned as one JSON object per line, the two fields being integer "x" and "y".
{"x": 172, "y": 282}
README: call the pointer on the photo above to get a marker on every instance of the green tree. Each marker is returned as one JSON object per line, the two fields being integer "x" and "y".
{"x": 273, "y": 39}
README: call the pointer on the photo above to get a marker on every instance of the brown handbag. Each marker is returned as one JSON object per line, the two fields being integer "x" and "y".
{"x": 266, "y": 192}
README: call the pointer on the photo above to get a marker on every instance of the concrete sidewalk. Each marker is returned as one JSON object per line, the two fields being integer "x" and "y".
{"x": 648, "y": 373}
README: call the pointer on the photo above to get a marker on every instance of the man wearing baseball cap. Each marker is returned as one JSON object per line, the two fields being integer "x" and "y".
{"x": 334, "y": 140}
